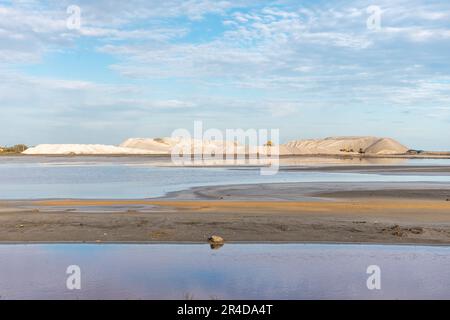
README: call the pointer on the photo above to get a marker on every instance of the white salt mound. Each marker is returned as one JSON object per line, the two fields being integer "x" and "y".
{"x": 327, "y": 146}
{"x": 344, "y": 145}
{"x": 166, "y": 145}
{"x": 67, "y": 149}
{"x": 160, "y": 145}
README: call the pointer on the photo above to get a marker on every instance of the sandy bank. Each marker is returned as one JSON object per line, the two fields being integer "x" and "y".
{"x": 247, "y": 216}
{"x": 396, "y": 224}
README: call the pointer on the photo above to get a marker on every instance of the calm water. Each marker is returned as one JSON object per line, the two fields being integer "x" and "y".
{"x": 139, "y": 177}
{"x": 235, "y": 271}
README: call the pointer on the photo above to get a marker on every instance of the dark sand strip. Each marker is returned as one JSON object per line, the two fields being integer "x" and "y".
{"x": 376, "y": 221}
{"x": 376, "y": 169}
{"x": 295, "y": 212}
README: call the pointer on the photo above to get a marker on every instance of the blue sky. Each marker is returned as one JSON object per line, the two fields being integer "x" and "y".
{"x": 144, "y": 68}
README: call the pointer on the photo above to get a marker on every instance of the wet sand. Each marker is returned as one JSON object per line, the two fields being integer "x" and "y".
{"x": 372, "y": 212}
{"x": 317, "y": 191}
{"x": 377, "y": 169}
{"x": 293, "y": 212}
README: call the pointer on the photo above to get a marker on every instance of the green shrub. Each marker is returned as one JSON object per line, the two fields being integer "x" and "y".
{"x": 18, "y": 148}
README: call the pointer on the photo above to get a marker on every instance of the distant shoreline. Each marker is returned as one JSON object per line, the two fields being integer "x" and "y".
{"x": 440, "y": 155}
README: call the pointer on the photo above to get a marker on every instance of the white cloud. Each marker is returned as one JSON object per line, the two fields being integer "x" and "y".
{"x": 279, "y": 57}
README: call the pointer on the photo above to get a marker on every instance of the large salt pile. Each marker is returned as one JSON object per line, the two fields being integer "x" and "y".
{"x": 386, "y": 146}
{"x": 166, "y": 145}
{"x": 67, "y": 149}
{"x": 159, "y": 145}
{"x": 327, "y": 146}
{"x": 344, "y": 145}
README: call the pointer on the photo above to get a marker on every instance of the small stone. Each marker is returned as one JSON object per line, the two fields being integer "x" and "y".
{"x": 215, "y": 239}
{"x": 216, "y": 242}
{"x": 417, "y": 230}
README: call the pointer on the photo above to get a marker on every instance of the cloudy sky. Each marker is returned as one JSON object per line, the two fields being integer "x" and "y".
{"x": 140, "y": 68}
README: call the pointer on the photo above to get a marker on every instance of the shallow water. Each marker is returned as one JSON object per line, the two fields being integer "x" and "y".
{"x": 165, "y": 160}
{"x": 143, "y": 177}
{"x": 235, "y": 271}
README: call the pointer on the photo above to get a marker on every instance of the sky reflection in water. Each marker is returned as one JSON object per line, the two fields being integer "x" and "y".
{"x": 235, "y": 271}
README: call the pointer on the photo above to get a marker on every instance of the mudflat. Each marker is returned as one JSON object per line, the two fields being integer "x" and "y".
{"x": 292, "y": 212}
{"x": 378, "y": 169}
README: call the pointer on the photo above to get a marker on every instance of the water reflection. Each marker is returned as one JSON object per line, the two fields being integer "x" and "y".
{"x": 236, "y": 271}
{"x": 132, "y": 178}
{"x": 165, "y": 161}
{"x": 216, "y": 246}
